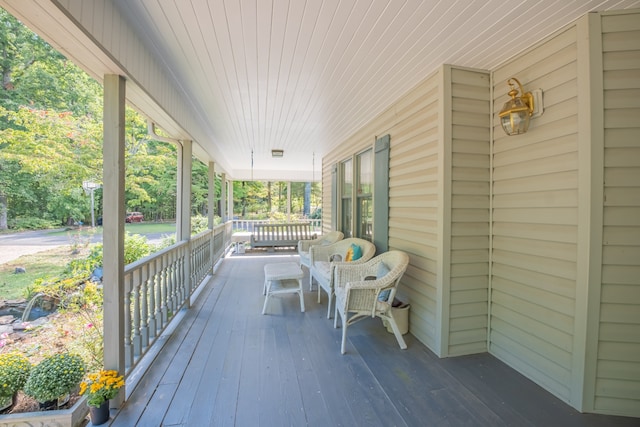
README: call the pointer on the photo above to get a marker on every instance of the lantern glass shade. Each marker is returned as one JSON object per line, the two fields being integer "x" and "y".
{"x": 514, "y": 116}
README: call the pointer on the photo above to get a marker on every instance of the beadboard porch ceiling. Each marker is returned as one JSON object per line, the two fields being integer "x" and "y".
{"x": 303, "y": 75}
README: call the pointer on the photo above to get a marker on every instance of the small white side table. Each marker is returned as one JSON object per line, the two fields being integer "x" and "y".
{"x": 282, "y": 278}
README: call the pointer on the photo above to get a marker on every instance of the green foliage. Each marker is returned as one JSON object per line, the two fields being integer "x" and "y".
{"x": 14, "y": 372}
{"x": 54, "y": 376}
{"x": 266, "y": 200}
{"x": 199, "y": 188}
{"x": 31, "y": 223}
{"x": 199, "y": 224}
{"x": 135, "y": 248}
{"x": 278, "y": 216}
{"x": 52, "y": 154}
{"x": 66, "y": 287}
{"x": 89, "y": 342}
{"x": 51, "y": 141}
{"x": 21, "y": 49}
{"x": 166, "y": 242}
{"x": 84, "y": 266}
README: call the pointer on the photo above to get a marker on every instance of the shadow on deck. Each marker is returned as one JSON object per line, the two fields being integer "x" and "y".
{"x": 227, "y": 364}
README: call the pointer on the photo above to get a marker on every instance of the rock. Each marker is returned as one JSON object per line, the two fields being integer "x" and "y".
{"x": 19, "y": 270}
{"x": 16, "y": 302}
{"x": 96, "y": 275}
{"x": 5, "y": 320}
{"x": 6, "y": 329}
{"x": 19, "y": 326}
{"x": 24, "y": 326}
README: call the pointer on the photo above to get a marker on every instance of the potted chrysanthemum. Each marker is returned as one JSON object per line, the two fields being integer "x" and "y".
{"x": 99, "y": 388}
{"x": 14, "y": 372}
{"x": 53, "y": 377}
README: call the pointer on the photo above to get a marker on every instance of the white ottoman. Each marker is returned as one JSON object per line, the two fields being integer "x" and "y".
{"x": 282, "y": 278}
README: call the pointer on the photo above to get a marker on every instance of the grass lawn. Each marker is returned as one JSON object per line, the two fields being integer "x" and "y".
{"x": 137, "y": 228}
{"x": 42, "y": 264}
{"x": 50, "y": 263}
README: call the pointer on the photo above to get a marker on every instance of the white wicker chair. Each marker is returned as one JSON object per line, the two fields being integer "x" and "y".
{"x": 322, "y": 266}
{"x": 360, "y": 297}
{"x": 305, "y": 245}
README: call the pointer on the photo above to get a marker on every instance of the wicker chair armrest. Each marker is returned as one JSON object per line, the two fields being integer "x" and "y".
{"x": 347, "y": 272}
{"x": 370, "y": 284}
{"x": 319, "y": 253}
{"x": 305, "y": 245}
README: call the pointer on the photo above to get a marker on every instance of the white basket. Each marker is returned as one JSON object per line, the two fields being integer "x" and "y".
{"x": 401, "y": 314}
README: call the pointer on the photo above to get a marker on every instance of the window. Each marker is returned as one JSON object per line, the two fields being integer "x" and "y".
{"x": 364, "y": 216}
{"x": 346, "y": 189}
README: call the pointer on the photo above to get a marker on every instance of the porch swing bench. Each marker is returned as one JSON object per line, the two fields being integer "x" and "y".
{"x": 281, "y": 235}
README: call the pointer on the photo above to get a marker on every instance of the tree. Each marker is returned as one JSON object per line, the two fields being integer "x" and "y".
{"x": 41, "y": 91}
{"x": 45, "y": 157}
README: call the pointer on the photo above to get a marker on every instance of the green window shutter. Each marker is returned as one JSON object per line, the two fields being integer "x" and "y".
{"x": 335, "y": 199}
{"x": 381, "y": 194}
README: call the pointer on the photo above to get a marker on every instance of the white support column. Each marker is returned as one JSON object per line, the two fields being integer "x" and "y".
{"x": 230, "y": 200}
{"x": 211, "y": 206}
{"x": 183, "y": 222}
{"x": 113, "y": 223}
{"x": 183, "y": 213}
{"x": 223, "y": 197}
{"x": 211, "y": 197}
{"x": 289, "y": 201}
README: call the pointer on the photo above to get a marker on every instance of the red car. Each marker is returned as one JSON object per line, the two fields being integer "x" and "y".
{"x": 134, "y": 217}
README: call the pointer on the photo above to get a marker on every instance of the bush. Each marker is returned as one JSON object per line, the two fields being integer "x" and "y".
{"x": 135, "y": 248}
{"x": 14, "y": 371}
{"x": 86, "y": 265}
{"x": 199, "y": 224}
{"x": 55, "y": 376}
{"x": 87, "y": 321}
{"x": 30, "y": 223}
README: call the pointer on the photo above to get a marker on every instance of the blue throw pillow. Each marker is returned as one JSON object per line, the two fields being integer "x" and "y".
{"x": 383, "y": 270}
{"x": 357, "y": 252}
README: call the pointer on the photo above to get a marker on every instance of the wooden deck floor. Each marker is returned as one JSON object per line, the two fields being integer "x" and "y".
{"x": 227, "y": 364}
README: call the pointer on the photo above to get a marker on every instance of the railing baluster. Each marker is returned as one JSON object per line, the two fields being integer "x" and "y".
{"x": 159, "y": 303}
{"x": 128, "y": 346}
{"x": 137, "y": 346}
{"x": 164, "y": 286}
{"x": 153, "y": 311}
{"x": 177, "y": 283}
{"x": 144, "y": 295}
{"x": 155, "y": 287}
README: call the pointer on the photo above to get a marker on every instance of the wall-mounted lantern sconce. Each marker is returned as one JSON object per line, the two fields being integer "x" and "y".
{"x": 277, "y": 153}
{"x": 516, "y": 112}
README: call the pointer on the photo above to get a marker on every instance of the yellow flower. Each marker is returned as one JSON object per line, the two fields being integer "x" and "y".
{"x": 102, "y": 386}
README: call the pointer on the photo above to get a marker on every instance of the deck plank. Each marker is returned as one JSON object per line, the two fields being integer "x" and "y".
{"x": 226, "y": 364}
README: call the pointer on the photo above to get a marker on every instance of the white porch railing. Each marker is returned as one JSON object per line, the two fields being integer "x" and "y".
{"x": 248, "y": 224}
{"x": 158, "y": 286}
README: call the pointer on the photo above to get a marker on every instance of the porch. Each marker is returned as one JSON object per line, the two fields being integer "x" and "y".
{"x": 227, "y": 364}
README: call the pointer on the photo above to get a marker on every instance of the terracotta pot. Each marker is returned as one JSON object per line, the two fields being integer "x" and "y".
{"x": 99, "y": 415}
